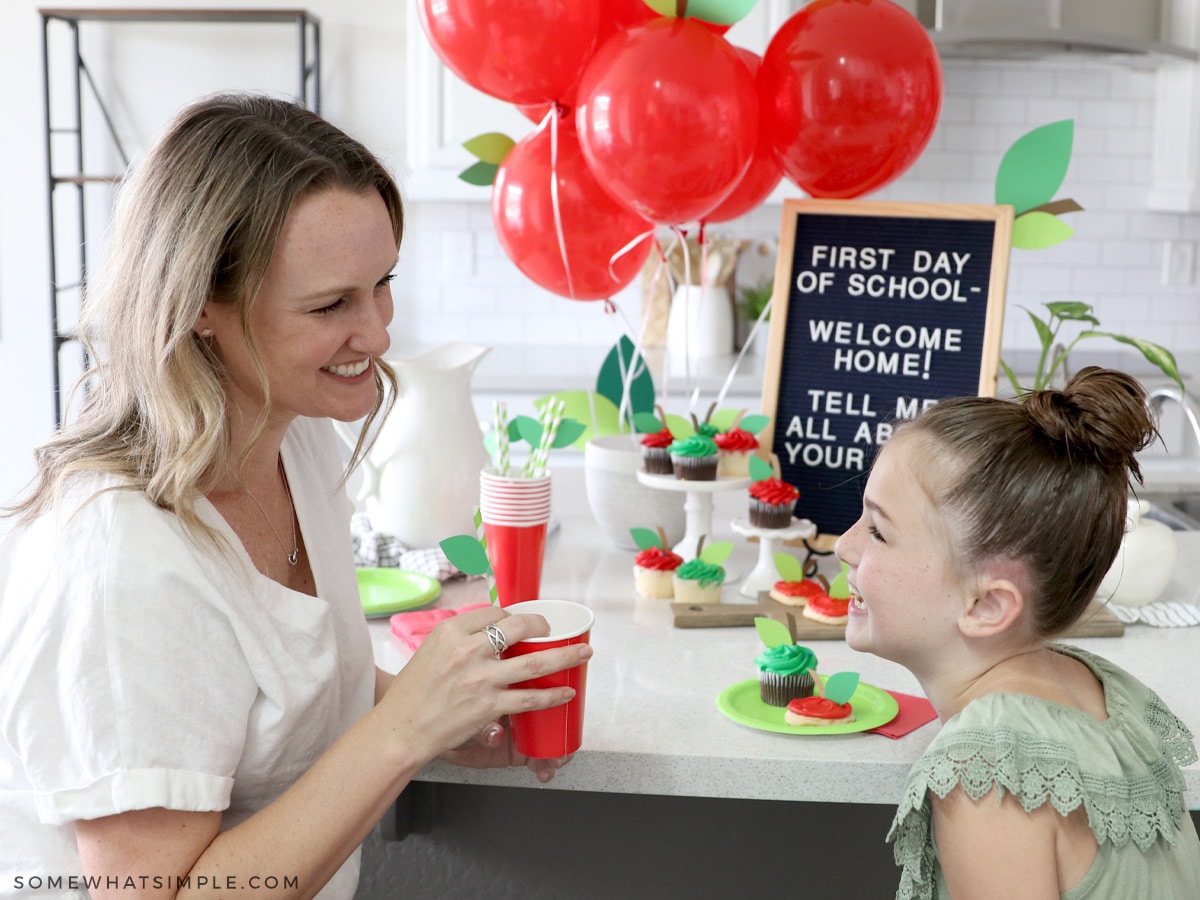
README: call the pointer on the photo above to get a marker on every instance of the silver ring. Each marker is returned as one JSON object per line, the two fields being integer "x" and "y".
{"x": 496, "y": 638}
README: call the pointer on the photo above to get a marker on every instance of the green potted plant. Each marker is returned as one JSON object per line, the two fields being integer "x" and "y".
{"x": 752, "y": 300}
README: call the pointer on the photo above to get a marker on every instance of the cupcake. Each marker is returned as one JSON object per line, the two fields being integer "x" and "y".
{"x": 654, "y": 572}
{"x": 656, "y": 458}
{"x": 694, "y": 458}
{"x": 785, "y": 672}
{"x": 772, "y": 503}
{"x": 697, "y": 581}
{"x": 735, "y": 446}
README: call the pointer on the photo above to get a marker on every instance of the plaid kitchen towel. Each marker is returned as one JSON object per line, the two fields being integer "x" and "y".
{"x": 375, "y": 549}
{"x": 1160, "y": 615}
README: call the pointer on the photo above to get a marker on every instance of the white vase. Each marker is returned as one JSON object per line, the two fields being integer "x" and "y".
{"x": 701, "y": 323}
{"x": 619, "y": 501}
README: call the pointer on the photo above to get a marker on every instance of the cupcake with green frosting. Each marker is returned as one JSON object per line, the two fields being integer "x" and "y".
{"x": 697, "y": 581}
{"x": 695, "y": 458}
{"x": 785, "y": 668}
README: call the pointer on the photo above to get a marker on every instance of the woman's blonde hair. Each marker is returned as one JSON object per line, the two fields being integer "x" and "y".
{"x": 195, "y": 222}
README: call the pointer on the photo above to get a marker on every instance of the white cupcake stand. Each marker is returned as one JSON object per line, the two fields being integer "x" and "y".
{"x": 765, "y": 573}
{"x": 698, "y": 508}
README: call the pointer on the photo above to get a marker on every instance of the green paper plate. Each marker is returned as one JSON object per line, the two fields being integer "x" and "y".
{"x": 387, "y": 591}
{"x": 741, "y": 703}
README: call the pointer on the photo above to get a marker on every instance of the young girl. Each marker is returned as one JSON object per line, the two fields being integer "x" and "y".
{"x": 987, "y": 526}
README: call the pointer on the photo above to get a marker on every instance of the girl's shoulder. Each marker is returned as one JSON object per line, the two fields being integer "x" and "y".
{"x": 1125, "y": 770}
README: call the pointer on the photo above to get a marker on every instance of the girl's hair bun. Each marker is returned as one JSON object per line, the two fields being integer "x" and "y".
{"x": 1101, "y": 413}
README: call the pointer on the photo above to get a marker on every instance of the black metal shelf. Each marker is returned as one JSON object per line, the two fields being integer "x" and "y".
{"x": 59, "y": 23}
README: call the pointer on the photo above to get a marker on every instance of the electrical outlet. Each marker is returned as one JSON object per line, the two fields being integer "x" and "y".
{"x": 1179, "y": 263}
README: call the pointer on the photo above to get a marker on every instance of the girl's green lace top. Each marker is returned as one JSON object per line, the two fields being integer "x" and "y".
{"x": 1123, "y": 771}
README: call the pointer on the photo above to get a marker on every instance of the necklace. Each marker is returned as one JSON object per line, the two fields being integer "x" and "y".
{"x": 294, "y": 556}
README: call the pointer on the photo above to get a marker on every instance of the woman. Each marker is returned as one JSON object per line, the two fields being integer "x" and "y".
{"x": 188, "y": 680}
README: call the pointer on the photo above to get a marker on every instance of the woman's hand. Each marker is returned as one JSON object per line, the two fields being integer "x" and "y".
{"x": 493, "y": 748}
{"x": 454, "y": 687}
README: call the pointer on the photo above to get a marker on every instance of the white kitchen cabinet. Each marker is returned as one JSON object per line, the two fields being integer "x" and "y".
{"x": 444, "y": 111}
{"x": 1175, "y": 164}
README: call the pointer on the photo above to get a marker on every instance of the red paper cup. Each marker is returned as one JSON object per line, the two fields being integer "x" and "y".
{"x": 516, "y": 553}
{"x": 550, "y": 733}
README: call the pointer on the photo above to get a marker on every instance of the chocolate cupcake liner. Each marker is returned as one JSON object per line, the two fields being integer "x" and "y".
{"x": 695, "y": 468}
{"x": 764, "y": 515}
{"x": 780, "y": 690}
{"x": 657, "y": 461}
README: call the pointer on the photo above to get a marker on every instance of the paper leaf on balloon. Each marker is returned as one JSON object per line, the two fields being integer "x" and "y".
{"x": 840, "y": 688}
{"x": 466, "y": 554}
{"x": 839, "y": 588}
{"x": 615, "y": 369}
{"x": 771, "y": 632}
{"x": 1034, "y": 167}
{"x": 719, "y": 12}
{"x": 489, "y": 148}
{"x": 480, "y": 174}
{"x": 1036, "y": 230}
{"x": 789, "y": 568}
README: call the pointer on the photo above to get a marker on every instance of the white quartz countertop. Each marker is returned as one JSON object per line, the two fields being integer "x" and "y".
{"x": 652, "y": 725}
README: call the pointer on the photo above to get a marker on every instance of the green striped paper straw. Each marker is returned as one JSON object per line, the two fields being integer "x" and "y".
{"x": 490, "y": 576}
{"x": 500, "y": 418}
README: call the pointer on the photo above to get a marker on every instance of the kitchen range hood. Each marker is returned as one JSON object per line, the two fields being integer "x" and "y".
{"x": 1128, "y": 31}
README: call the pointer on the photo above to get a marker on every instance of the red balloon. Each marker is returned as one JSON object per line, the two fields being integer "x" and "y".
{"x": 619, "y": 15}
{"x": 595, "y": 227}
{"x": 522, "y": 51}
{"x": 668, "y": 119}
{"x": 764, "y": 172}
{"x": 850, "y": 92}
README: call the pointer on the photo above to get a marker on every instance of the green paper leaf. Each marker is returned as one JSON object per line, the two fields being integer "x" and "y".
{"x": 1034, "y": 167}
{"x": 771, "y": 632}
{"x": 1038, "y": 230}
{"x": 527, "y": 429}
{"x": 645, "y": 538}
{"x": 610, "y": 382}
{"x": 722, "y": 419}
{"x": 839, "y": 588}
{"x": 719, "y": 12}
{"x": 594, "y": 412}
{"x": 680, "y": 427}
{"x": 646, "y": 423}
{"x": 789, "y": 568}
{"x": 1155, "y": 353}
{"x": 840, "y": 688}
{"x": 760, "y": 469}
{"x": 754, "y": 423}
{"x": 480, "y": 174}
{"x": 717, "y": 552}
{"x": 569, "y": 431}
{"x": 490, "y": 148}
{"x": 466, "y": 553}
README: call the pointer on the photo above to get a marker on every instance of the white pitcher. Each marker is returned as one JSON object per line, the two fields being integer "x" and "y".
{"x": 421, "y": 477}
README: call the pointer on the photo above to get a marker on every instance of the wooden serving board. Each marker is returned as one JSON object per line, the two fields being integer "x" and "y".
{"x": 1098, "y": 623}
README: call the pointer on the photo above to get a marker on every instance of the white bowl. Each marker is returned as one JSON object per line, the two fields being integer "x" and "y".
{"x": 619, "y": 501}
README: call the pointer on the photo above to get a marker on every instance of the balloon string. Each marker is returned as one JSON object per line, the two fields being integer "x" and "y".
{"x": 612, "y": 260}
{"x": 762, "y": 316}
{"x": 558, "y": 225}
{"x": 637, "y": 362}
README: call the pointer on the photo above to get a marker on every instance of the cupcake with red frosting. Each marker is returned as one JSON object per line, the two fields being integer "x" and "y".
{"x": 737, "y": 445}
{"x": 656, "y": 458}
{"x": 655, "y": 565}
{"x": 772, "y": 503}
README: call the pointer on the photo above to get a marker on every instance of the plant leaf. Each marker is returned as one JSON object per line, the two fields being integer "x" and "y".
{"x": 1155, "y": 353}
{"x": 646, "y": 423}
{"x": 645, "y": 538}
{"x": 1034, "y": 167}
{"x": 1038, "y": 230}
{"x": 717, "y": 552}
{"x": 840, "y": 688}
{"x": 466, "y": 553}
{"x": 760, "y": 469}
{"x": 610, "y": 382}
{"x": 789, "y": 568}
{"x": 480, "y": 174}
{"x": 771, "y": 632}
{"x": 491, "y": 147}
{"x": 1045, "y": 335}
{"x": 1072, "y": 311}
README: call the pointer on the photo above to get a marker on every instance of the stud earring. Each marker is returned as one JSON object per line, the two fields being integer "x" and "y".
{"x": 206, "y": 332}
